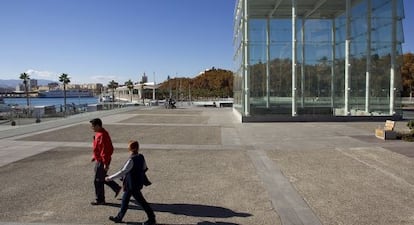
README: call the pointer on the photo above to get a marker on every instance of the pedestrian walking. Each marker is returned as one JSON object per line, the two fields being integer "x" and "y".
{"x": 134, "y": 178}
{"x": 102, "y": 154}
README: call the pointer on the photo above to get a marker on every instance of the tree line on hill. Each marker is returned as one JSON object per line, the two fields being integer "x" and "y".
{"x": 319, "y": 80}
{"x": 407, "y": 74}
{"x": 212, "y": 83}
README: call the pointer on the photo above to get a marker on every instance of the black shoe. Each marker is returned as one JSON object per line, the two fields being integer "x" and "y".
{"x": 115, "y": 219}
{"x": 150, "y": 222}
{"x": 98, "y": 203}
{"x": 117, "y": 192}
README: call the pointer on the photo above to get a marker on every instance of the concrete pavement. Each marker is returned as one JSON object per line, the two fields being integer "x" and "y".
{"x": 207, "y": 168}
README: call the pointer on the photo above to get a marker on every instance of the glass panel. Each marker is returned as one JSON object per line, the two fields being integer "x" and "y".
{"x": 320, "y": 77}
{"x": 314, "y": 75}
{"x": 257, "y": 62}
{"x": 281, "y": 66}
{"x": 339, "y": 66}
{"x": 380, "y": 57}
{"x": 238, "y": 63}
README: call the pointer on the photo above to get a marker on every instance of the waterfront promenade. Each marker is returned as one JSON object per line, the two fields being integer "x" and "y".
{"x": 207, "y": 168}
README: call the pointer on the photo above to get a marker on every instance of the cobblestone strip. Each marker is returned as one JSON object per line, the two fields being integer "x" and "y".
{"x": 289, "y": 205}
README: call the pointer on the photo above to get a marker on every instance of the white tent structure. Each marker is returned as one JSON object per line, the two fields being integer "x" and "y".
{"x": 137, "y": 93}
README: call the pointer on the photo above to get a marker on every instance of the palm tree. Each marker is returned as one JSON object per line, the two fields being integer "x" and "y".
{"x": 64, "y": 78}
{"x": 113, "y": 85}
{"x": 130, "y": 86}
{"x": 25, "y": 77}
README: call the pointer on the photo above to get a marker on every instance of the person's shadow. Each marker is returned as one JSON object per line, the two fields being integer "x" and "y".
{"x": 195, "y": 210}
{"x": 200, "y": 223}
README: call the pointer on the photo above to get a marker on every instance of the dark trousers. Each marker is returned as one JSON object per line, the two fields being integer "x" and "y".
{"x": 100, "y": 174}
{"x": 141, "y": 201}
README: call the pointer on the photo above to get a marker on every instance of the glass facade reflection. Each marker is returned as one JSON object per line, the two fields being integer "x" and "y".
{"x": 312, "y": 58}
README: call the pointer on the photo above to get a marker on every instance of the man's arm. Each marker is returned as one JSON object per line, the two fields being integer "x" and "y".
{"x": 125, "y": 169}
{"x": 95, "y": 148}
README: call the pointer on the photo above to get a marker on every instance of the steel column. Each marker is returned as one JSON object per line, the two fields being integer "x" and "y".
{"x": 268, "y": 63}
{"x": 333, "y": 46}
{"x": 294, "y": 58}
{"x": 347, "y": 57}
{"x": 393, "y": 56}
{"x": 368, "y": 68}
{"x": 302, "y": 66}
{"x": 246, "y": 59}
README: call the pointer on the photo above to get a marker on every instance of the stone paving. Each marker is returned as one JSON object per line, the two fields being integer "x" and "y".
{"x": 207, "y": 168}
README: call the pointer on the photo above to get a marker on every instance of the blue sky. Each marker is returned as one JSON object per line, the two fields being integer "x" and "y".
{"x": 100, "y": 40}
{"x": 408, "y": 46}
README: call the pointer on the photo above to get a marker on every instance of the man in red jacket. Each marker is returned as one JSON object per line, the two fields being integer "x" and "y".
{"x": 102, "y": 152}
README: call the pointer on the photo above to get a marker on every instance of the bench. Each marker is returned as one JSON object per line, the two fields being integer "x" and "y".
{"x": 387, "y": 132}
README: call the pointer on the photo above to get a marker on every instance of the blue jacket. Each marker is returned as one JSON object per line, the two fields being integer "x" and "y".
{"x": 136, "y": 178}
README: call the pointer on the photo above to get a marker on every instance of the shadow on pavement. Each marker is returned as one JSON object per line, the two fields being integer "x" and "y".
{"x": 200, "y": 223}
{"x": 215, "y": 223}
{"x": 195, "y": 210}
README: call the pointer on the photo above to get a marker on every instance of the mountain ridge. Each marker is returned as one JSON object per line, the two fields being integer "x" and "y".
{"x": 12, "y": 83}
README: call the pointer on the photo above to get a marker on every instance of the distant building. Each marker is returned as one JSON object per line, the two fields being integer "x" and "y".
{"x": 96, "y": 88}
{"x": 144, "y": 78}
{"x": 32, "y": 84}
{"x": 53, "y": 85}
{"x": 304, "y": 60}
{"x": 43, "y": 88}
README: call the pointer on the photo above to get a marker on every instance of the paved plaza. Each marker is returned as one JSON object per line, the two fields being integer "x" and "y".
{"x": 207, "y": 168}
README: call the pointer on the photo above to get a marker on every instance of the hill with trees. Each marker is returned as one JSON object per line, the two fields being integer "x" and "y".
{"x": 407, "y": 74}
{"x": 212, "y": 83}
{"x": 319, "y": 78}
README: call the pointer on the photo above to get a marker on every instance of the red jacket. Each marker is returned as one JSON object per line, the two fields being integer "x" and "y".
{"x": 102, "y": 147}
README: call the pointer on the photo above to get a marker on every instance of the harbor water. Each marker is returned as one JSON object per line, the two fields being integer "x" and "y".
{"x": 22, "y": 102}
{"x": 15, "y": 110}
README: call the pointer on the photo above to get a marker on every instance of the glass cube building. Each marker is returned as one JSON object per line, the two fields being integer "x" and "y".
{"x": 300, "y": 60}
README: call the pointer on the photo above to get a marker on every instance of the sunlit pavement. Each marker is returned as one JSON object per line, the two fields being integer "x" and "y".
{"x": 207, "y": 168}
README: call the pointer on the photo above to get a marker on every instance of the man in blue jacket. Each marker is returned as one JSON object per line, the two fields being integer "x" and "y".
{"x": 134, "y": 178}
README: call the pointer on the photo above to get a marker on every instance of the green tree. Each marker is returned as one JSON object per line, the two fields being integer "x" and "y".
{"x": 407, "y": 73}
{"x": 25, "y": 77}
{"x": 130, "y": 85}
{"x": 64, "y": 78}
{"x": 211, "y": 83}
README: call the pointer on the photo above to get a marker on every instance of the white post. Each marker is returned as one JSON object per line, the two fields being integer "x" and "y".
{"x": 333, "y": 64}
{"x": 368, "y": 70}
{"x": 153, "y": 89}
{"x": 347, "y": 52}
{"x": 393, "y": 56}
{"x": 246, "y": 60}
{"x": 294, "y": 58}
{"x": 189, "y": 94}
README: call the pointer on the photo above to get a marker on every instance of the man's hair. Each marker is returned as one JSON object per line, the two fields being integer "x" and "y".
{"x": 96, "y": 121}
{"x": 133, "y": 146}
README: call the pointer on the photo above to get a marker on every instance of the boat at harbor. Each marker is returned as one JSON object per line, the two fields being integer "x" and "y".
{"x": 105, "y": 97}
{"x": 70, "y": 93}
